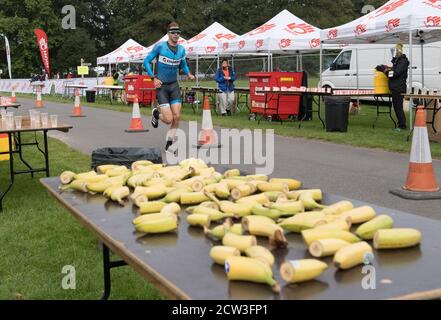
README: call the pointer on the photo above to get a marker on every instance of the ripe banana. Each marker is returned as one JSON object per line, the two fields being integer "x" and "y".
{"x": 209, "y": 204}
{"x": 295, "y": 271}
{"x": 300, "y": 222}
{"x": 231, "y": 173}
{"x": 316, "y": 194}
{"x": 118, "y": 180}
{"x": 215, "y": 215}
{"x": 105, "y": 167}
{"x": 239, "y": 242}
{"x": 99, "y": 187}
{"x": 287, "y": 208}
{"x": 367, "y": 230}
{"x": 251, "y": 219}
{"x": 216, "y": 233}
{"x": 222, "y": 191}
{"x": 152, "y": 193}
{"x": 140, "y": 163}
{"x": 175, "y": 195}
{"x": 338, "y": 208}
{"x": 220, "y": 253}
{"x": 353, "y": 255}
{"x": 260, "y": 253}
{"x": 118, "y": 171}
{"x": 171, "y": 207}
{"x": 265, "y": 229}
{"x": 307, "y": 198}
{"x": 151, "y": 217}
{"x": 242, "y": 191}
{"x": 341, "y": 224}
{"x": 292, "y": 183}
{"x": 139, "y": 199}
{"x": 360, "y": 214}
{"x": 326, "y": 247}
{"x": 167, "y": 183}
{"x": 197, "y": 185}
{"x": 272, "y": 186}
{"x": 238, "y": 209}
{"x": 151, "y": 207}
{"x": 202, "y": 220}
{"x": 249, "y": 269}
{"x": 77, "y": 185}
{"x": 166, "y": 224}
{"x": 236, "y": 229}
{"x": 273, "y": 196}
{"x": 119, "y": 194}
{"x": 259, "y": 177}
{"x": 396, "y": 238}
{"x": 312, "y": 235}
{"x": 107, "y": 193}
{"x": 138, "y": 179}
{"x": 189, "y": 198}
{"x": 83, "y": 175}
{"x": 260, "y": 210}
{"x": 95, "y": 178}
{"x": 67, "y": 177}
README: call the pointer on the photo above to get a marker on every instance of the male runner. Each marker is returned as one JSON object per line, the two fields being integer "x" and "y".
{"x": 170, "y": 57}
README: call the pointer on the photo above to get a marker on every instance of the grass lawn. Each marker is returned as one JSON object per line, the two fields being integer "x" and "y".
{"x": 39, "y": 237}
{"x": 360, "y": 132}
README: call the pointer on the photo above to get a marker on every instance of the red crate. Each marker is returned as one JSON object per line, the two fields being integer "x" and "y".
{"x": 288, "y": 105}
{"x": 133, "y": 84}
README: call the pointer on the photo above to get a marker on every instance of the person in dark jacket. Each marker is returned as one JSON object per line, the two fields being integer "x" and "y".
{"x": 397, "y": 75}
{"x": 225, "y": 77}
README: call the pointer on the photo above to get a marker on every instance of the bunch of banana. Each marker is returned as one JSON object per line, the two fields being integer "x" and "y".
{"x": 119, "y": 194}
{"x": 309, "y": 203}
{"x": 189, "y": 198}
{"x": 338, "y": 208}
{"x": 264, "y": 229}
{"x": 326, "y": 247}
{"x": 160, "y": 224}
{"x": 77, "y": 185}
{"x": 220, "y": 253}
{"x": 260, "y": 210}
{"x": 367, "y": 230}
{"x": 317, "y": 194}
{"x": 199, "y": 220}
{"x": 311, "y": 235}
{"x": 105, "y": 167}
{"x": 353, "y": 255}
{"x": 238, "y": 241}
{"x": 360, "y": 214}
{"x": 396, "y": 238}
{"x": 151, "y": 207}
{"x": 117, "y": 171}
{"x": 242, "y": 191}
{"x": 260, "y": 253}
{"x": 291, "y": 183}
{"x": 288, "y": 208}
{"x": 249, "y": 269}
{"x": 296, "y": 271}
{"x": 67, "y": 177}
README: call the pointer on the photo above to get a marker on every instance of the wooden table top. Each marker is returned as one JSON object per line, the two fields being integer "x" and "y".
{"x": 27, "y": 127}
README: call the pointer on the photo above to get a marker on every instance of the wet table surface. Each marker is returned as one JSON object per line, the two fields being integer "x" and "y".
{"x": 179, "y": 262}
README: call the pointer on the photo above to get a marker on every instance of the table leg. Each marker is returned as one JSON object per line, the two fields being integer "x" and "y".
{"x": 11, "y": 171}
{"x": 390, "y": 111}
{"x": 20, "y": 153}
{"x": 264, "y": 109}
{"x": 46, "y": 153}
{"x": 107, "y": 265}
{"x": 319, "y": 110}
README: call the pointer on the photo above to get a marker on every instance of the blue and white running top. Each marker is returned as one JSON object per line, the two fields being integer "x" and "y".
{"x": 168, "y": 64}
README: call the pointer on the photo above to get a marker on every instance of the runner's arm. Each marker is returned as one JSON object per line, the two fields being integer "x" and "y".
{"x": 184, "y": 66}
{"x": 148, "y": 60}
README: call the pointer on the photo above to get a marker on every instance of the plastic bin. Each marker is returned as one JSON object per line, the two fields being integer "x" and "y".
{"x": 90, "y": 95}
{"x": 124, "y": 156}
{"x": 337, "y": 113}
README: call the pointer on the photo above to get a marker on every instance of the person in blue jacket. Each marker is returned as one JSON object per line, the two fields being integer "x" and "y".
{"x": 170, "y": 58}
{"x": 225, "y": 77}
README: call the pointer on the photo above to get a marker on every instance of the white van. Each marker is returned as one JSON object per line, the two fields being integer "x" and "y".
{"x": 342, "y": 73}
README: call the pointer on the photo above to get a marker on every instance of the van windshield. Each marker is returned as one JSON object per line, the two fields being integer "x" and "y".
{"x": 343, "y": 61}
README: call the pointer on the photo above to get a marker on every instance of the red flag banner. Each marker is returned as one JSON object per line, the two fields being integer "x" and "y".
{"x": 44, "y": 48}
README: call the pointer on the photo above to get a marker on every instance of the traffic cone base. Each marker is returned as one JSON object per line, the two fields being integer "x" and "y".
{"x": 421, "y": 181}
{"x": 77, "y": 112}
{"x": 39, "y": 101}
{"x": 13, "y": 97}
{"x": 136, "y": 121}
{"x": 207, "y": 137}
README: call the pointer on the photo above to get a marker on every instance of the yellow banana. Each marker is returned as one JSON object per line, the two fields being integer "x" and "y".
{"x": 233, "y": 183}
{"x": 338, "y": 208}
{"x": 307, "y": 198}
{"x": 151, "y": 217}
{"x": 231, "y": 173}
{"x": 292, "y": 183}
{"x": 238, "y": 209}
{"x": 287, "y": 208}
{"x": 260, "y": 210}
{"x": 120, "y": 170}
{"x": 353, "y": 255}
{"x": 118, "y": 179}
{"x": 215, "y": 215}
{"x": 396, "y": 238}
{"x": 107, "y": 193}
{"x": 220, "y": 253}
{"x": 312, "y": 235}
{"x": 272, "y": 186}
{"x": 209, "y": 204}
{"x": 171, "y": 207}
{"x": 138, "y": 179}
{"x": 99, "y": 187}
{"x": 166, "y": 224}
{"x": 83, "y": 175}
{"x": 139, "y": 199}
{"x": 151, "y": 207}
{"x": 119, "y": 194}
{"x": 197, "y": 185}
{"x": 105, "y": 167}
{"x": 222, "y": 191}
{"x": 360, "y": 215}
{"x": 67, "y": 177}
{"x": 202, "y": 220}
{"x": 367, "y": 230}
{"x": 167, "y": 183}
{"x": 265, "y": 229}
{"x": 189, "y": 198}
{"x": 249, "y": 269}
{"x": 326, "y": 247}
{"x": 236, "y": 229}
{"x": 317, "y": 194}
{"x": 260, "y": 253}
{"x": 242, "y": 191}
{"x": 77, "y": 185}
{"x": 251, "y": 219}
{"x": 259, "y": 177}
{"x": 296, "y": 271}
{"x": 273, "y": 196}
{"x": 95, "y": 178}
{"x": 153, "y": 192}
{"x": 341, "y": 224}
{"x": 239, "y": 242}
{"x": 140, "y": 163}
{"x": 217, "y": 232}
{"x": 300, "y": 222}
{"x": 175, "y": 195}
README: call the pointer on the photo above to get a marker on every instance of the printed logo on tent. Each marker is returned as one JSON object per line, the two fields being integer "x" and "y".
{"x": 360, "y": 29}
{"x": 119, "y": 58}
{"x": 332, "y": 34}
{"x": 181, "y": 41}
{"x": 225, "y": 46}
{"x": 241, "y": 44}
{"x": 433, "y": 3}
{"x": 284, "y": 43}
{"x": 393, "y": 24}
{"x": 314, "y": 43}
{"x": 210, "y": 49}
{"x": 259, "y": 44}
{"x": 190, "y": 49}
{"x": 197, "y": 38}
{"x": 390, "y": 8}
{"x": 134, "y": 49}
{"x": 262, "y": 29}
{"x": 299, "y": 28}
{"x": 227, "y": 36}
{"x": 432, "y": 21}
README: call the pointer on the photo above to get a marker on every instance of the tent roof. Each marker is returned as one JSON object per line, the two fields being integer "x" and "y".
{"x": 124, "y": 53}
{"x": 391, "y": 23}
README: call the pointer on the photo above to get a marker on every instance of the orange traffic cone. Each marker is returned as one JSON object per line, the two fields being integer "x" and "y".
{"x": 421, "y": 181}
{"x": 77, "y": 107}
{"x": 207, "y": 136}
{"x": 13, "y": 97}
{"x": 136, "y": 122}
{"x": 39, "y": 101}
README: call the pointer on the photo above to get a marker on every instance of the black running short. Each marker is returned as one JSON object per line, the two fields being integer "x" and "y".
{"x": 168, "y": 94}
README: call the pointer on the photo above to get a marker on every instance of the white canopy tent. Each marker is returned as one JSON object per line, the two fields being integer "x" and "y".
{"x": 124, "y": 54}
{"x": 139, "y": 57}
{"x": 411, "y": 21}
